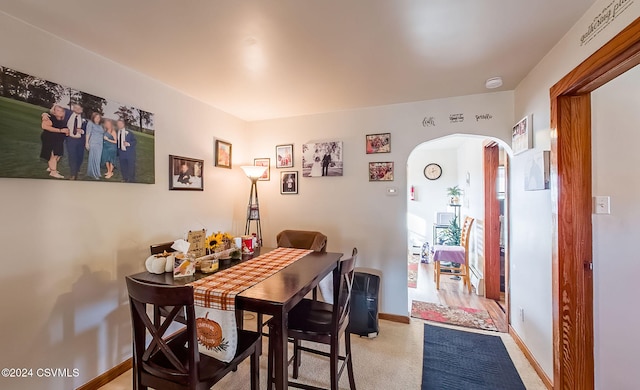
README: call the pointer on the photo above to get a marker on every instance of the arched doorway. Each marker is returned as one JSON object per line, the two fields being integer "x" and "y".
{"x": 461, "y": 161}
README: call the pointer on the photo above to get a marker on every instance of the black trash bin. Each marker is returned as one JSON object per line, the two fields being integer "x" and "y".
{"x": 363, "y": 319}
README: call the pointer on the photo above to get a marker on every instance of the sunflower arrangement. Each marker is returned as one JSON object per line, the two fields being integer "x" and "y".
{"x": 218, "y": 241}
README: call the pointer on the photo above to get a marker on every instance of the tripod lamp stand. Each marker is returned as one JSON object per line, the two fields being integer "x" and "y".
{"x": 253, "y": 209}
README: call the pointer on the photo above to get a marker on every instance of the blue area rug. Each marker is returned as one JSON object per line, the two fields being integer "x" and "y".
{"x": 458, "y": 360}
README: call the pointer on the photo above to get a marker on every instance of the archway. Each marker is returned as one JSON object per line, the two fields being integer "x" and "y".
{"x": 461, "y": 162}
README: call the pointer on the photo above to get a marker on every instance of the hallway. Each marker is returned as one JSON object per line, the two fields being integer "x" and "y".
{"x": 453, "y": 293}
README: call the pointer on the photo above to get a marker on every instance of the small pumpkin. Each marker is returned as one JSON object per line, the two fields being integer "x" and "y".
{"x": 171, "y": 259}
{"x": 156, "y": 265}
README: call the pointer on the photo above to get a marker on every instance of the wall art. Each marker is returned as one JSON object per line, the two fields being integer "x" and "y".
{"x": 51, "y": 131}
{"x": 322, "y": 159}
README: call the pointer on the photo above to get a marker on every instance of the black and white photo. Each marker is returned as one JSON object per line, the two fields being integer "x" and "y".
{"x": 322, "y": 159}
{"x": 288, "y": 182}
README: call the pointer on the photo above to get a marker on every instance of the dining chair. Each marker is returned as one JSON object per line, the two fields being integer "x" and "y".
{"x": 302, "y": 239}
{"x": 160, "y": 248}
{"x": 322, "y": 323}
{"x": 457, "y": 256}
{"x": 299, "y": 239}
{"x": 172, "y": 361}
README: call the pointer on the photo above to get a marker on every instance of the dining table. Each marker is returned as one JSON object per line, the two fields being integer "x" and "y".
{"x": 274, "y": 296}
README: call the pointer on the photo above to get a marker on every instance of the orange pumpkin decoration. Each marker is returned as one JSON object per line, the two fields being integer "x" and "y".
{"x": 209, "y": 332}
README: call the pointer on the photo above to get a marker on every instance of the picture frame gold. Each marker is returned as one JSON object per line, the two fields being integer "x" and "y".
{"x": 223, "y": 154}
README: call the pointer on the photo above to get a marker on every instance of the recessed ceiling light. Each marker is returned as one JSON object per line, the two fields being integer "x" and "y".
{"x": 493, "y": 82}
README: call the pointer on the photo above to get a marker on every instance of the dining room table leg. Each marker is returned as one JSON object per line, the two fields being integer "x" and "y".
{"x": 280, "y": 350}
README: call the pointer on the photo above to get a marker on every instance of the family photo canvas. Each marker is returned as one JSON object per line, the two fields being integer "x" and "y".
{"x": 50, "y": 131}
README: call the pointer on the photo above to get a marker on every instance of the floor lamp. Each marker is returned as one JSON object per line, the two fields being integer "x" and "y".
{"x": 253, "y": 209}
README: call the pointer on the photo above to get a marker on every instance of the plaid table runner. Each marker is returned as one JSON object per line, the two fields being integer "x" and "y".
{"x": 215, "y": 297}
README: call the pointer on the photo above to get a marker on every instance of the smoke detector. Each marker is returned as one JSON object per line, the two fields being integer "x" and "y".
{"x": 493, "y": 82}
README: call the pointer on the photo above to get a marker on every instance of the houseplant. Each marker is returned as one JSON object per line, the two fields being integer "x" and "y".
{"x": 454, "y": 194}
{"x": 451, "y": 236}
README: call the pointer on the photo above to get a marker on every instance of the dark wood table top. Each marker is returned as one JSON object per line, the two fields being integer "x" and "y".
{"x": 167, "y": 277}
{"x": 281, "y": 290}
{"x": 287, "y": 287}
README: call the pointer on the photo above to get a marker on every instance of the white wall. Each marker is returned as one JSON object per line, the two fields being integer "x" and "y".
{"x": 530, "y": 245}
{"x": 431, "y": 195}
{"x": 64, "y": 262}
{"x": 471, "y": 160}
{"x": 615, "y": 119}
{"x": 350, "y": 210}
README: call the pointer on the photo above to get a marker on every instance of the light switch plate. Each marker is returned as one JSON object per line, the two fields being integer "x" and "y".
{"x": 602, "y": 204}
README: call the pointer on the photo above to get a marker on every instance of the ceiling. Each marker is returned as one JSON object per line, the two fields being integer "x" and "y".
{"x": 261, "y": 59}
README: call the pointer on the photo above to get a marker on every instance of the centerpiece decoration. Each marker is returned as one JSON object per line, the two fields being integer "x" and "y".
{"x": 218, "y": 242}
{"x": 221, "y": 246}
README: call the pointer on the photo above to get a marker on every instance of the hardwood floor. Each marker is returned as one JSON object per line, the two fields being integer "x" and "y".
{"x": 453, "y": 293}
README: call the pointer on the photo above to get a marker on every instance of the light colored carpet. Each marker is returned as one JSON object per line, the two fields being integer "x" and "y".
{"x": 393, "y": 360}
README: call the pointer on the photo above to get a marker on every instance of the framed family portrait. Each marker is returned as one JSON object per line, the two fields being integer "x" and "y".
{"x": 284, "y": 156}
{"x": 263, "y": 162}
{"x": 186, "y": 173}
{"x": 288, "y": 182}
{"x": 378, "y": 143}
{"x": 223, "y": 154}
{"x": 522, "y": 135}
{"x": 381, "y": 171}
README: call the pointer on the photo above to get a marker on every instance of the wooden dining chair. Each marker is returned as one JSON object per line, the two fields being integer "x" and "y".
{"x": 303, "y": 239}
{"x": 160, "y": 248}
{"x": 172, "y": 361}
{"x": 299, "y": 239}
{"x": 322, "y": 323}
{"x": 446, "y": 252}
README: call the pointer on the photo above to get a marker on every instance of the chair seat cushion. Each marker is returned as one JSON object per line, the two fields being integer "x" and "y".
{"x": 311, "y": 316}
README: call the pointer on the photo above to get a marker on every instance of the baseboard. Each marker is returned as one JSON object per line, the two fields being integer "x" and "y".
{"x": 536, "y": 366}
{"x": 394, "y": 318}
{"x": 108, "y": 376}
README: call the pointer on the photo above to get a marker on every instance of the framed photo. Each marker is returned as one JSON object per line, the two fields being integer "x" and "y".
{"x": 186, "y": 173}
{"x": 322, "y": 159}
{"x": 378, "y": 143}
{"x": 288, "y": 182}
{"x": 223, "y": 154}
{"x": 263, "y": 162}
{"x": 522, "y": 135}
{"x": 381, "y": 171}
{"x": 284, "y": 156}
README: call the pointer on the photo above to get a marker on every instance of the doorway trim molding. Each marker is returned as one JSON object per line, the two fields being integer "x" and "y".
{"x": 572, "y": 275}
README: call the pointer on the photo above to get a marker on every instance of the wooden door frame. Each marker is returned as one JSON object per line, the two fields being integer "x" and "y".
{"x": 572, "y": 206}
{"x": 491, "y": 222}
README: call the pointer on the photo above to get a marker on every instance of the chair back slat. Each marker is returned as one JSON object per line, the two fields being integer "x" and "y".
{"x": 466, "y": 232}
{"x": 160, "y": 248}
{"x": 342, "y": 288}
{"x": 160, "y": 356}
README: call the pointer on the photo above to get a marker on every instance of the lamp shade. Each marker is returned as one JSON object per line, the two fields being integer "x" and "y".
{"x": 253, "y": 172}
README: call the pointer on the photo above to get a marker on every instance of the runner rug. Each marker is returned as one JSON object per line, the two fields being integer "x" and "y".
{"x": 461, "y": 316}
{"x": 413, "y": 263}
{"x": 455, "y": 360}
